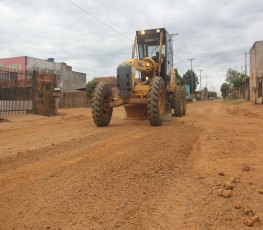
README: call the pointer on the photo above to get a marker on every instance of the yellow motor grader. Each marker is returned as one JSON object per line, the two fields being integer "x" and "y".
{"x": 147, "y": 83}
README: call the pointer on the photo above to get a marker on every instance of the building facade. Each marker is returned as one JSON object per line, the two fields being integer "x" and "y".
{"x": 256, "y": 72}
{"x": 67, "y": 79}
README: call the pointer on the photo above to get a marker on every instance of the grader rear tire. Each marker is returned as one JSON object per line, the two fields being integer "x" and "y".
{"x": 178, "y": 102}
{"x": 156, "y": 101}
{"x": 100, "y": 104}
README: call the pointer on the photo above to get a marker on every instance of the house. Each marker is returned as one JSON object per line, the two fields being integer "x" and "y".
{"x": 15, "y": 69}
{"x": 256, "y": 72}
{"x": 67, "y": 79}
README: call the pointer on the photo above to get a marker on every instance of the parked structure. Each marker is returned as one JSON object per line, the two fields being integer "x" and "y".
{"x": 256, "y": 72}
{"x": 67, "y": 80}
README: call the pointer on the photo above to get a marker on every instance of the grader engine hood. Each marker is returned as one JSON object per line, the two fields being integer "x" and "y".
{"x": 125, "y": 78}
{"x": 126, "y": 74}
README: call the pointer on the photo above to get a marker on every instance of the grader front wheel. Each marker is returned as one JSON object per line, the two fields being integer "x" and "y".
{"x": 156, "y": 102}
{"x": 100, "y": 104}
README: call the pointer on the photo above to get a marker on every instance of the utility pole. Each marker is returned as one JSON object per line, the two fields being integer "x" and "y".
{"x": 211, "y": 85}
{"x": 200, "y": 70}
{"x": 206, "y": 82}
{"x": 172, "y": 35}
{"x": 192, "y": 80}
{"x": 206, "y": 92}
{"x": 191, "y": 59}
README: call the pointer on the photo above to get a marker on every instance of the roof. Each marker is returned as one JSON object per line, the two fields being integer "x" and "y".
{"x": 81, "y": 89}
{"x": 47, "y": 60}
{"x": 110, "y": 80}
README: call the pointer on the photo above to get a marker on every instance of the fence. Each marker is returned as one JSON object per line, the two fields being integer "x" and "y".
{"x": 74, "y": 99}
{"x": 16, "y": 94}
{"x": 22, "y": 93}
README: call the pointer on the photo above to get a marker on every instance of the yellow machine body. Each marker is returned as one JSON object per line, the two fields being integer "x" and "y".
{"x": 138, "y": 89}
{"x": 146, "y": 83}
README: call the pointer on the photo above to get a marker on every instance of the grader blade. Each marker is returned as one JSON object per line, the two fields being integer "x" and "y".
{"x": 168, "y": 113}
{"x": 136, "y": 111}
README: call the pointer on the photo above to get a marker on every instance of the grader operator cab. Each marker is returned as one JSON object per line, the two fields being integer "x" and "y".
{"x": 147, "y": 83}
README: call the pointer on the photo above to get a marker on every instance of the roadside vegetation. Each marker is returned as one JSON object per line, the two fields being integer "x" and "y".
{"x": 234, "y": 80}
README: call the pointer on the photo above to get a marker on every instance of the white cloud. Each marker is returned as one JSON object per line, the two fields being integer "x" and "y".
{"x": 215, "y": 33}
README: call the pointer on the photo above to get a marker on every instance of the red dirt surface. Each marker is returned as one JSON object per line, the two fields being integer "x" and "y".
{"x": 65, "y": 173}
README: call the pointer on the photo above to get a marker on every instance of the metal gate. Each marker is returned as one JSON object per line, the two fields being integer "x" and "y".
{"x": 22, "y": 93}
{"x": 16, "y": 95}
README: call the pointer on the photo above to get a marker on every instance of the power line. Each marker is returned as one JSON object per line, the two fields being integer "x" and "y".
{"x": 114, "y": 11}
{"x": 156, "y": 11}
{"x": 123, "y": 10}
{"x": 200, "y": 70}
{"x": 192, "y": 75}
{"x": 120, "y": 9}
{"x": 99, "y": 20}
{"x": 126, "y": 13}
{"x": 111, "y": 8}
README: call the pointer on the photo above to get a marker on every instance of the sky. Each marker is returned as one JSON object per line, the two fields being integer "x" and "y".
{"x": 215, "y": 33}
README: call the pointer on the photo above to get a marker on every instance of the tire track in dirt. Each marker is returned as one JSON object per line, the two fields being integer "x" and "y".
{"x": 30, "y": 165}
{"x": 226, "y": 143}
{"x": 122, "y": 179}
{"x": 133, "y": 176}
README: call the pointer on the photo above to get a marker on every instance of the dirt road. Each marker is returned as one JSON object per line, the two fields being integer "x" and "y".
{"x": 202, "y": 171}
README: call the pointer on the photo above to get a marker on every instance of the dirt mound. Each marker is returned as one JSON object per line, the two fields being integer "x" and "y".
{"x": 244, "y": 109}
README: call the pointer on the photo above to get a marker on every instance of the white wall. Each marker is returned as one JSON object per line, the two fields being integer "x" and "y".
{"x": 67, "y": 79}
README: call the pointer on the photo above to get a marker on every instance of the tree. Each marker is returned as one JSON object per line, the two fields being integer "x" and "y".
{"x": 235, "y": 79}
{"x": 212, "y": 94}
{"x": 191, "y": 79}
{"x": 225, "y": 90}
{"x": 90, "y": 86}
{"x": 180, "y": 80}
{"x": 205, "y": 93}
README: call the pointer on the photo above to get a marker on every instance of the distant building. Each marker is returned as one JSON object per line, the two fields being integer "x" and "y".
{"x": 256, "y": 72}
{"x": 20, "y": 68}
{"x": 67, "y": 80}
{"x": 199, "y": 95}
